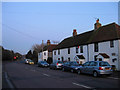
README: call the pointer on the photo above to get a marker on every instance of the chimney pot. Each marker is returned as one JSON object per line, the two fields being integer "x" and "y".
{"x": 97, "y": 24}
{"x": 48, "y": 42}
{"x": 74, "y": 32}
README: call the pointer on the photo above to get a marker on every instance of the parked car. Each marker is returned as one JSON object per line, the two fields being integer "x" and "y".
{"x": 96, "y": 68}
{"x": 26, "y": 61}
{"x": 56, "y": 65}
{"x": 30, "y": 62}
{"x": 43, "y": 64}
{"x": 70, "y": 66}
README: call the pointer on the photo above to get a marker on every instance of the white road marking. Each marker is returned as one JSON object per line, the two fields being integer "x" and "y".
{"x": 33, "y": 70}
{"x": 113, "y": 78}
{"x": 26, "y": 68}
{"x": 8, "y": 81}
{"x": 46, "y": 74}
{"x": 81, "y": 85}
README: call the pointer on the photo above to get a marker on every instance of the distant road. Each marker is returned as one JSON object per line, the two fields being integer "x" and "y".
{"x": 30, "y": 76}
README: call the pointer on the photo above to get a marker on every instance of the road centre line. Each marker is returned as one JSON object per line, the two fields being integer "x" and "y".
{"x": 113, "y": 78}
{"x": 33, "y": 70}
{"x": 8, "y": 81}
{"x": 46, "y": 74}
{"x": 81, "y": 85}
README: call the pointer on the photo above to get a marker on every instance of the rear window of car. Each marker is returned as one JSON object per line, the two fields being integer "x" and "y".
{"x": 74, "y": 63}
{"x": 60, "y": 62}
{"x": 104, "y": 64}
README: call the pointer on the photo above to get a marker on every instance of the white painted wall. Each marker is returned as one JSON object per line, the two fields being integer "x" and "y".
{"x": 104, "y": 47}
{"x": 118, "y": 55}
{"x": 41, "y": 55}
{"x": 65, "y": 55}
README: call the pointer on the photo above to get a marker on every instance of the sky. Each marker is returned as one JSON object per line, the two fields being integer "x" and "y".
{"x": 25, "y": 24}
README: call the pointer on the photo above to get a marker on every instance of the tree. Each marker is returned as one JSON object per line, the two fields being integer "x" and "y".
{"x": 49, "y": 60}
{"x": 29, "y": 55}
{"x": 35, "y": 56}
{"x": 38, "y": 47}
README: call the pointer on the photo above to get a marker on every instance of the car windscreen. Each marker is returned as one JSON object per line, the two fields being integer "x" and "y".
{"x": 74, "y": 63}
{"x": 104, "y": 64}
{"x": 43, "y": 62}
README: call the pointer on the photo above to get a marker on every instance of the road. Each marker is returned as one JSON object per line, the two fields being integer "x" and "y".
{"x": 30, "y": 76}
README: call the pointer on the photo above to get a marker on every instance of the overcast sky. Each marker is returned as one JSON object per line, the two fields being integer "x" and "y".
{"x": 27, "y": 23}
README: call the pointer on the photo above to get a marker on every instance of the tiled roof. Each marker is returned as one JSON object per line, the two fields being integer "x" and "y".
{"x": 104, "y": 33}
{"x": 104, "y": 55}
{"x": 80, "y": 56}
{"x": 49, "y": 47}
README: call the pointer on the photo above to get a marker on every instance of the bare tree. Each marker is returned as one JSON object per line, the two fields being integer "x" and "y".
{"x": 38, "y": 47}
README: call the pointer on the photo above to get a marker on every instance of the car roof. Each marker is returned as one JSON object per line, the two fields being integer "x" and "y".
{"x": 97, "y": 61}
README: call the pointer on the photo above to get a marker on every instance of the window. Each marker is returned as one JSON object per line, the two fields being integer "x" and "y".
{"x": 115, "y": 59}
{"x": 68, "y": 50}
{"x": 54, "y": 52}
{"x": 58, "y": 52}
{"x": 104, "y": 64}
{"x": 76, "y": 49}
{"x": 81, "y": 49}
{"x": 93, "y": 64}
{"x": 86, "y": 64}
{"x": 45, "y": 53}
{"x": 95, "y": 57}
{"x": 96, "y": 47}
{"x": 62, "y": 58}
{"x": 69, "y": 59}
{"x": 111, "y": 43}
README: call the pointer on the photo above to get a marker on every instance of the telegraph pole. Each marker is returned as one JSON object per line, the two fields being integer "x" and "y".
{"x": 42, "y": 50}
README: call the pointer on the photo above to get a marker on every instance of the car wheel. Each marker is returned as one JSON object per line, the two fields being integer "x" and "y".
{"x": 63, "y": 69}
{"x": 79, "y": 72}
{"x": 50, "y": 68}
{"x": 72, "y": 70}
{"x": 95, "y": 74}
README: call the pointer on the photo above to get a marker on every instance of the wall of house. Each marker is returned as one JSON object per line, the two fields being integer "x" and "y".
{"x": 39, "y": 56}
{"x": 119, "y": 55}
{"x": 65, "y": 55}
{"x": 45, "y": 56}
{"x": 42, "y": 56}
{"x": 50, "y": 54}
{"x": 104, "y": 47}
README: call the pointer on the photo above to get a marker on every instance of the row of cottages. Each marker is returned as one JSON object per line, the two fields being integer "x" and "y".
{"x": 46, "y": 53}
{"x": 102, "y": 44}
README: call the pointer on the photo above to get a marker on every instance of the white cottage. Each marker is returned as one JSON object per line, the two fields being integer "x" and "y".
{"x": 46, "y": 53}
{"x": 102, "y": 43}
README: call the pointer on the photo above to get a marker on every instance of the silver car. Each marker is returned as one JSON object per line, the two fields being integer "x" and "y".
{"x": 56, "y": 65}
{"x": 96, "y": 68}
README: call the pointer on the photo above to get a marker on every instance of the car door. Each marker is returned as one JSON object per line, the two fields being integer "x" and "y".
{"x": 92, "y": 67}
{"x": 65, "y": 66}
{"x": 85, "y": 67}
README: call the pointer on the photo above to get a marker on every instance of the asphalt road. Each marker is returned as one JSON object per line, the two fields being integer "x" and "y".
{"x": 30, "y": 76}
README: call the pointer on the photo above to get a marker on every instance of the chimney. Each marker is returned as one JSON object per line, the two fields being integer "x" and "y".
{"x": 97, "y": 24}
{"x": 74, "y": 32}
{"x": 48, "y": 42}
